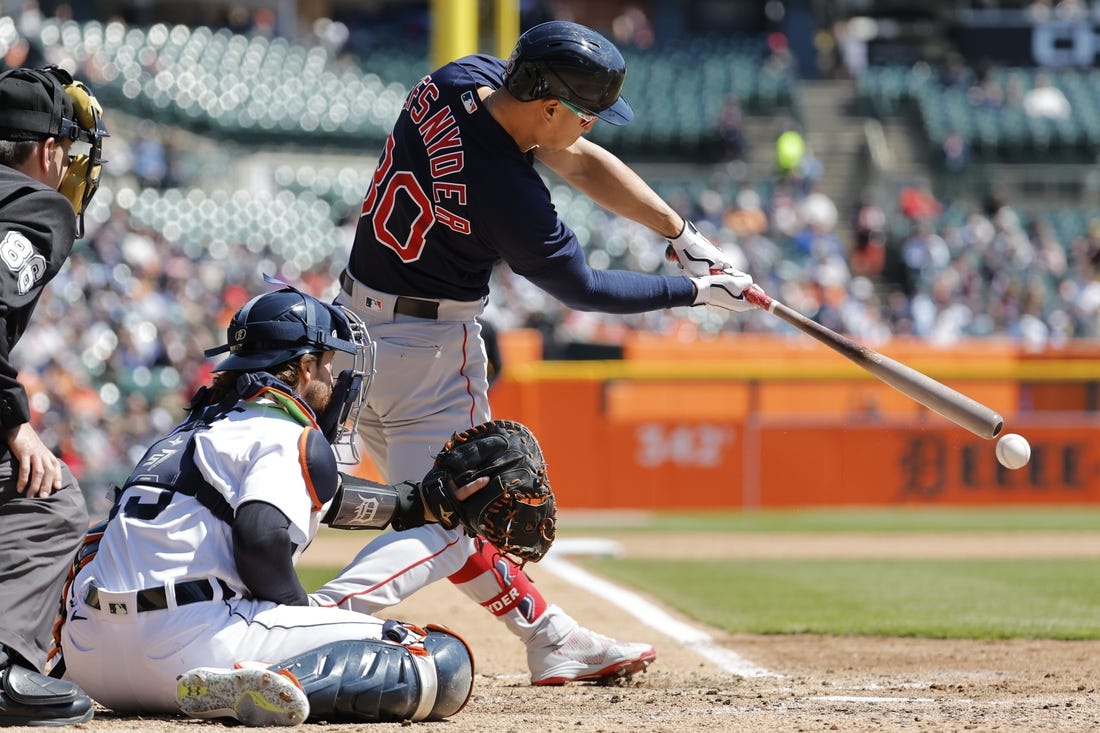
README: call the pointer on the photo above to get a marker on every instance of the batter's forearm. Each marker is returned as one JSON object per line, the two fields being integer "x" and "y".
{"x": 612, "y": 184}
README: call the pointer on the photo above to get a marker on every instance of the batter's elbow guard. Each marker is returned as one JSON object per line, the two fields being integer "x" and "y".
{"x": 385, "y": 681}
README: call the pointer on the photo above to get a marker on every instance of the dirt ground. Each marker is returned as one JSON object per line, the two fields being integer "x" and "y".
{"x": 805, "y": 683}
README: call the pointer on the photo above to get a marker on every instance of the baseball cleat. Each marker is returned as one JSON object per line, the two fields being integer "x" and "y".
{"x": 255, "y": 697}
{"x": 585, "y": 656}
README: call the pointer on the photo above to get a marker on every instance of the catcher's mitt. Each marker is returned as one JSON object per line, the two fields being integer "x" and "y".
{"x": 515, "y": 511}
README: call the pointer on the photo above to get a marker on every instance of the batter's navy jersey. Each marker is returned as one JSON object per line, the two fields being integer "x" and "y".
{"x": 453, "y": 195}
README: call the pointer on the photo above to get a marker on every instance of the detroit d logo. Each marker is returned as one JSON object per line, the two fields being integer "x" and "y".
{"x": 366, "y": 511}
{"x": 240, "y": 334}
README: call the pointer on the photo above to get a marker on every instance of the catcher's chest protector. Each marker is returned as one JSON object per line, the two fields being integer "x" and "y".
{"x": 170, "y": 464}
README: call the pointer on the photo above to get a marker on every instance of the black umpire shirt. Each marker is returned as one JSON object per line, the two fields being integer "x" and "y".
{"x": 37, "y": 229}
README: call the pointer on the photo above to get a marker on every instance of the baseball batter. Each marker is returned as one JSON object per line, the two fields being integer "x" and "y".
{"x": 454, "y": 194}
{"x": 186, "y": 598}
{"x": 44, "y": 179}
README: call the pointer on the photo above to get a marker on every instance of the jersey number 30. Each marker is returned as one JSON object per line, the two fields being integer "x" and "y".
{"x": 382, "y": 197}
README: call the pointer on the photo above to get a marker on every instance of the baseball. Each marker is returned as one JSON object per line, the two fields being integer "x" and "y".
{"x": 1013, "y": 451}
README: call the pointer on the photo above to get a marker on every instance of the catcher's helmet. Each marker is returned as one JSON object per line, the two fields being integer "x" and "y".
{"x": 571, "y": 62}
{"x": 273, "y": 328}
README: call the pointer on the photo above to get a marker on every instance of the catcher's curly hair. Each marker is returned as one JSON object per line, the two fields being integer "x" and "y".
{"x": 287, "y": 373}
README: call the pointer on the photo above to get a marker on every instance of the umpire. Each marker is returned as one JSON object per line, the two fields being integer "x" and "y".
{"x": 45, "y": 185}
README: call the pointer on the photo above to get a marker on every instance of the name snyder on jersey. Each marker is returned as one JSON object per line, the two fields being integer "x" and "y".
{"x": 442, "y": 141}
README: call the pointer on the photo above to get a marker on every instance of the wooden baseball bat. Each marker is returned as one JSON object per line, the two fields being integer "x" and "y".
{"x": 955, "y": 406}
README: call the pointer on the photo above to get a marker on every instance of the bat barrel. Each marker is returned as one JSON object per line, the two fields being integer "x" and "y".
{"x": 936, "y": 396}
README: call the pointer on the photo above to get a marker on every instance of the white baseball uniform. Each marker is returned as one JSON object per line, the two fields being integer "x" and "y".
{"x": 163, "y": 595}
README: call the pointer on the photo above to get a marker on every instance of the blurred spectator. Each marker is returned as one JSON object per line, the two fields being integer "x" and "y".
{"x": 987, "y": 93}
{"x": 1014, "y": 92}
{"x": 1040, "y": 11}
{"x": 149, "y": 159}
{"x": 956, "y": 152}
{"x": 746, "y": 218}
{"x": 918, "y": 203}
{"x": 331, "y": 35}
{"x": 631, "y": 27}
{"x": 731, "y": 130}
{"x": 852, "y": 35}
{"x": 1046, "y": 100}
{"x": 868, "y": 256}
{"x": 783, "y": 211}
{"x": 924, "y": 253}
{"x": 956, "y": 74}
{"x": 1070, "y": 11}
{"x": 825, "y": 43}
{"x": 152, "y": 299}
{"x": 818, "y": 214}
{"x": 29, "y": 22}
{"x": 779, "y": 59}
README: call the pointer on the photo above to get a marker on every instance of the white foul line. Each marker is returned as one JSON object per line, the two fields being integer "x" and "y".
{"x": 688, "y": 636}
{"x": 861, "y": 698}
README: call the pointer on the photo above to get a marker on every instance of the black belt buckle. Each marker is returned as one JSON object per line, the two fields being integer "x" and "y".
{"x": 346, "y": 283}
{"x": 416, "y": 307}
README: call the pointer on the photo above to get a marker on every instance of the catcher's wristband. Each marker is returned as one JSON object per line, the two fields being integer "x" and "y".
{"x": 364, "y": 504}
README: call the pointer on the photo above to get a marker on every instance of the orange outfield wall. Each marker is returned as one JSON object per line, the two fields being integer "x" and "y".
{"x": 701, "y": 425}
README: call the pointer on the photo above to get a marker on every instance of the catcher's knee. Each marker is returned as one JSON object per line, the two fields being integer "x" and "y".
{"x": 454, "y": 665}
{"x": 425, "y": 675}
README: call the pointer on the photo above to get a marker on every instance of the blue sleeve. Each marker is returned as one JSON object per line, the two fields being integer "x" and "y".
{"x": 537, "y": 245}
{"x": 568, "y": 278}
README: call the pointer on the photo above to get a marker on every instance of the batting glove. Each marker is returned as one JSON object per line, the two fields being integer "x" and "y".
{"x": 724, "y": 290}
{"x": 695, "y": 253}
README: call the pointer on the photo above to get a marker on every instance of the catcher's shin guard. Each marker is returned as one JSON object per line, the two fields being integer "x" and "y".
{"x": 420, "y": 675}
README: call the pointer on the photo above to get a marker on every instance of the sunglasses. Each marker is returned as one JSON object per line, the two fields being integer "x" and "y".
{"x": 586, "y": 117}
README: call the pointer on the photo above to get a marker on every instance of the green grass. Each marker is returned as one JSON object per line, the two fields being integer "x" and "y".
{"x": 980, "y": 599}
{"x": 984, "y": 599}
{"x": 856, "y": 519}
{"x": 313, "y": 578}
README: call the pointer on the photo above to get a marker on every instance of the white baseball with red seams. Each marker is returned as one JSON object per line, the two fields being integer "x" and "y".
{"x": 1013, "y": 451}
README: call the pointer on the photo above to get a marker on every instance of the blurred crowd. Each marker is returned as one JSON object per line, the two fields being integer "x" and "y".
{"x": 116, "y": 349}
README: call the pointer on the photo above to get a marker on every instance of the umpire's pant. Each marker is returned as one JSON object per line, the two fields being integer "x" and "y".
{"x": 38, "y": 541}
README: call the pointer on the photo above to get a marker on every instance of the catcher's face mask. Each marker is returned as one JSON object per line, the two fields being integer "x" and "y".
{"x": 273, "y": 328}
{"x": 349, "y": 392}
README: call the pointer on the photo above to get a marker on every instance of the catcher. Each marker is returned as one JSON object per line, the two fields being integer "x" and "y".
{"x": 186, "y": 598}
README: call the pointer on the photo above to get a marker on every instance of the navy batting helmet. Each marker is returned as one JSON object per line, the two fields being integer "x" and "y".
{"x": 571, "y": 62}
{"x": 273, "y": 328}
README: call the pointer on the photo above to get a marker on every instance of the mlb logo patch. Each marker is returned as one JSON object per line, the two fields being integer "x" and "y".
{"x": 373, "y": 305}
{"x": 469, "y": 101}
